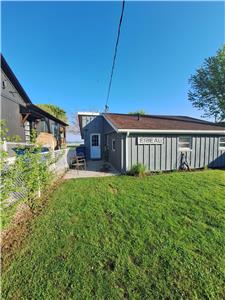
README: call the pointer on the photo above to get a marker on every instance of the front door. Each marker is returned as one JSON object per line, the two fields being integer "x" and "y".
{"x": 95, "y": 146}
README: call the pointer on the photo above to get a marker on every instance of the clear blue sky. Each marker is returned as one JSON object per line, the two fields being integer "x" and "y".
{"x": 62, "y": 52}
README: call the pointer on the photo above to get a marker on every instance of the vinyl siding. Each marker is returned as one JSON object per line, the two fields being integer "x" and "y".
{"x": 116, "y": 157}
{"x": 205, "y": 152}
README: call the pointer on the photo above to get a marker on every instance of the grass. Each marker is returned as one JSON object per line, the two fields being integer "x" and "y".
{"x": 7, "y": 214}
{"x": 159, "y": 237}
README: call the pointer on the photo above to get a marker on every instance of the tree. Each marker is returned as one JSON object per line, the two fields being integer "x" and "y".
{"x": 74, "y": 127}
{"x": 55, "y": 110}
{"x": 207, "y": 91}
{"x": 138, "y": 112}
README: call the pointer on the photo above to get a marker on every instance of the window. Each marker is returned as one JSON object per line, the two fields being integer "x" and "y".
{"x": 184, "y": 143}
{"x": 113, "y": 145}
{"x": 95, "y": 140}
{"x": 54, "y": 129}
{"x": 222, "y": 142}
{"x": 43, "y": 126}
{"x": 3, "y": 84}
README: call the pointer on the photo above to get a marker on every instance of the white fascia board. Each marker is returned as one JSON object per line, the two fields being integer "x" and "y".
{"x": 172, "y": 131}
{"x": 88, "y": 113}
{"x": 111, "y": 124}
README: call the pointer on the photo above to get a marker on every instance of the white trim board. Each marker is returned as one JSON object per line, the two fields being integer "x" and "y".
{"x": 87, "y": 113}
{"x": 172, "y": 131}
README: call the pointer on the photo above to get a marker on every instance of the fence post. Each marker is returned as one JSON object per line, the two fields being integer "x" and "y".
{"x": 4, "y": 145}
{"x": 39, "y": 188}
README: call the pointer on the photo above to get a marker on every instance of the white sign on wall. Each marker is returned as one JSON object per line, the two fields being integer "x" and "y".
{"x": 150, "y": 140}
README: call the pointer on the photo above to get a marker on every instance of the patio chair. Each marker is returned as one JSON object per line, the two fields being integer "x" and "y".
{"x": 78, "y": 161}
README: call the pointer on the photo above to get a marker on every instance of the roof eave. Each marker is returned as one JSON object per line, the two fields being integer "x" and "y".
{"x": 12, "y": 77}
{"x": 45, "y": 113}
{"x": 171, "y": 131}
{"x": 110, "y": 123}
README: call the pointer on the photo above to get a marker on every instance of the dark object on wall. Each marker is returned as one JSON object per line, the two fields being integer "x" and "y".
{"x": 183, "y": 163}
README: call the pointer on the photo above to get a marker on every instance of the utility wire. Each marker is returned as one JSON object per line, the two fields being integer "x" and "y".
{"x": 114, "y": 57}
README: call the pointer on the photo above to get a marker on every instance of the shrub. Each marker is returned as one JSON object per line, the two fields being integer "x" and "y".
{"x": 137, "y": 170}
{"x": 28, "y": 176}
{"x": 106, "y": 167}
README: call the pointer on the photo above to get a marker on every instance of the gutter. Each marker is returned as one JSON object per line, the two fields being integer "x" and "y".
{"x": 127, "y": 153}
{"x": 171, "y": 131}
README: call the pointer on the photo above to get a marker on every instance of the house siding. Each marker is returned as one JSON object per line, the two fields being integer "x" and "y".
{"x": 96, "y": 124}
{"x": 205, "y": 152}
{"x": 115, "y": 157}
{"x": 92, "y": 124}
{"x": 10, "y": 109}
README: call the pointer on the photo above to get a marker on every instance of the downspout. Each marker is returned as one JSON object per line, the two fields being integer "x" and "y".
{"x": 126, "y": 151}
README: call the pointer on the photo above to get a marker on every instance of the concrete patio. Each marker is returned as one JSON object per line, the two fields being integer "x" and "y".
{"x": 94, "y": 169}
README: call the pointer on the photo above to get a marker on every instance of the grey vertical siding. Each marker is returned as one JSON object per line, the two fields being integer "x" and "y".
{"x": 116, "y": 158}
{"x": 205, "y": 152}
{"x": 93, "y": 124}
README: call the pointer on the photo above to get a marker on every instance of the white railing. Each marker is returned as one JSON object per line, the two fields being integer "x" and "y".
{"x": 61, "y": 161}
{"x": 6, "y": 144}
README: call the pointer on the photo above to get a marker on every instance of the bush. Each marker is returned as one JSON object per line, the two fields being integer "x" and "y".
{"x": 137, "y": 170}
{"x": 106, "y": 167}
{"x": 27, "y": 177}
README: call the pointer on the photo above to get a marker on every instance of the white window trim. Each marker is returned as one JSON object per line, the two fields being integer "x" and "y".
{"x": 221, "y": 147}
{"x": 185, "y": 148}
{"x": 113, "y": 140}
{"x": 99, "y": 139}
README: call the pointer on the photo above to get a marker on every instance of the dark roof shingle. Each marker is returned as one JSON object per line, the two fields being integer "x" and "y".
{"x": 159, "y": 122}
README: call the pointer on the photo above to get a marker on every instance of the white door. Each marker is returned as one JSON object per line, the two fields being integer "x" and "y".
{"x": 95, "y": 144}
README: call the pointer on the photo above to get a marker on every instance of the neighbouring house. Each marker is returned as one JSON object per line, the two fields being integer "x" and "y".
{"x": 159, "y": 142}
{"x": 21, "y": 115}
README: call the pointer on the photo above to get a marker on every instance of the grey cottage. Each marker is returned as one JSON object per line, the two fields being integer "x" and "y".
{"x": 161, "y": 143}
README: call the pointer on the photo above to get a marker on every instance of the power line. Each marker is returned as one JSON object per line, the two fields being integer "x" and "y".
{"x": 114, "y": 57}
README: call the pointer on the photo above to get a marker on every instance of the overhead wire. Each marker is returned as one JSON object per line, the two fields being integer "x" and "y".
{"x": 114, "y": 57}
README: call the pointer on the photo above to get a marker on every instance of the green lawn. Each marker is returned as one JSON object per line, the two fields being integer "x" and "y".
{"x": 160, "y": 237}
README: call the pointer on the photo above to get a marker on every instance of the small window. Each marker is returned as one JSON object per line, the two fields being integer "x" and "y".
{"x": 95, "y": 140}
{"x": 113, "y": 145}
{"x": 3, "y": 84}
{"x": 222, "y": 142}
{"x": 184, "y": 143}
{"x": 43, "y": 126}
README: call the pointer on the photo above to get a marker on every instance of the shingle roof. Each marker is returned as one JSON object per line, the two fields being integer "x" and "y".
{"x": 159, "y": 122}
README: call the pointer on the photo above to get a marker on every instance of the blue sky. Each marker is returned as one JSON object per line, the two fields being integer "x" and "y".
{"x": 61, "y": 52}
